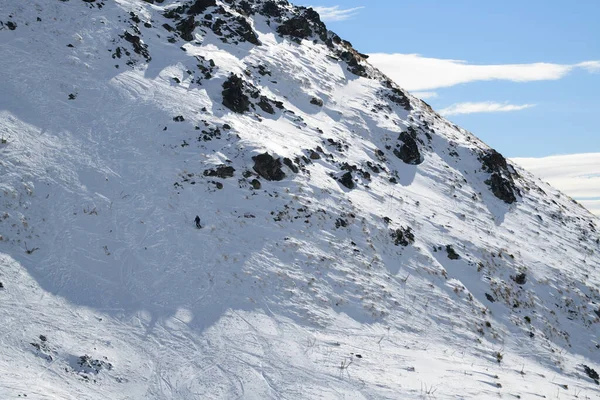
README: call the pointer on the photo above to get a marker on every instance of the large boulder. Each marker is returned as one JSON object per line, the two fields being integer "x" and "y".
{"x": 234, "y": 97}
{"x": 347, "y": 180}
{"x": 501, "y": 181}
{"x": 502, "y": 188}
{"x": 268, "y": 167}
{"x": 409, "y": 150}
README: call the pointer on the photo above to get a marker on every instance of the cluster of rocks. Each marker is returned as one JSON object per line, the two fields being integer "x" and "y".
{"x": 403, "y": 236}
{"x": 206, "y": 13}
{"x": 239, "y": 96}
{"x": 501, "y": 180}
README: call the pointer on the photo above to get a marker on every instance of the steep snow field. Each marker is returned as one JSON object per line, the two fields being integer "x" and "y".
{"x": 375, "y": 252}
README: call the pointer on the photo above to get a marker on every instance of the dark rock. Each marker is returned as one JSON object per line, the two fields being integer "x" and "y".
{"x": 592, "y": 374}
{"x": 314, "y": 155}
{"x": 271, "y": 9}
{"x": 297, "y": 27}
{"x": 341, "y": 223}
{"x": 218, "y": 185}
{"x": 451, "y": 252}
{"x": 221, "y": 171}
{"x": 245, "y": 31}
{"x": 501, "y": 181}
{"x": 134, "y": 17}
{"x": 318, "y": 26}
{"x": 520, "y": 279}
{"x": 244, "y": 7}
{"x": 11, "y": 25}
{"x": 268, "y": 167}
{"x": 347, "y": 180}
{"x": 186, "y": 28}
{"x": 89, "y": 365}
{"x": 138, "y": 46}
{"x": 490, "y": 298}
{"x": 502, "y": 188}
{"x": 265, "y": 105}
{"x": 255, "y": 184}
{"x": 403, "y": 236}
{"x": 200, "y": 6}
{"x": 179, "y": 118}
{"x": 290, "y": 164}
{"x": 493, "y": 161}
{"x": 409, "y": 151}
{"x": 397, "y": 96}
{"x": 262, "y": 70}
{"x": 352, "y": 59}
{"x": 233, "y": 95}
{"x": 316, "y": 101}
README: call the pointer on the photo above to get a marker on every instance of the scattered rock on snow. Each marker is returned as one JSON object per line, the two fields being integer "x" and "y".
{"x": 221, "y": 171}
{"x": 88, "y": 365}
{"x": 403, "y": 236}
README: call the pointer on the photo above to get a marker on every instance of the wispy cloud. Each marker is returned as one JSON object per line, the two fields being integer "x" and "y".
{"x": 425, "y": 95}
{"x": 577, "y": 175}
{"x": 482, "y": 107}
{"x": 335, "y": 13}
{"x": 592, "y": 66}
{"x": 417, "y": 73}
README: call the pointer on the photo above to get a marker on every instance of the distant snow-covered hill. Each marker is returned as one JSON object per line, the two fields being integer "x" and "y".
{"x": 354, "y": 244}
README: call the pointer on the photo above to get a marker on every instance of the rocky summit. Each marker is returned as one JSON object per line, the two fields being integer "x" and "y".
{"x": 353, "y": 243}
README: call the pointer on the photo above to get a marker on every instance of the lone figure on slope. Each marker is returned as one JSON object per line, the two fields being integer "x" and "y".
{"x": 197, "y": 221}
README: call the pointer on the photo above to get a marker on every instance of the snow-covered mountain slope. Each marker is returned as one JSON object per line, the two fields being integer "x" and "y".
{"x": 354, "y": 244}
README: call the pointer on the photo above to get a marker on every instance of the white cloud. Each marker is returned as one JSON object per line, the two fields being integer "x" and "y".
{"x": 417, "y": 73}
{"x": 482, "y": 107}
{"x": 335, "y": 13}
{"x": 577, "y": 175}
{"x": 592, "y": 66}
{"x": 425, "y": 95}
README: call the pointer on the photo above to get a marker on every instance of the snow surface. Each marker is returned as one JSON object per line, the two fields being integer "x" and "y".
{"x": 109, "y": 290}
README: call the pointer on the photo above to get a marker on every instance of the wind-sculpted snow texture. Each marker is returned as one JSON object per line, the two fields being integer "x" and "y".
{"x": 354, "y": 244}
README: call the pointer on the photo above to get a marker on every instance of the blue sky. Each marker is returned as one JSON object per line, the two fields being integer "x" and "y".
{"x": 522, "y": 110}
